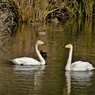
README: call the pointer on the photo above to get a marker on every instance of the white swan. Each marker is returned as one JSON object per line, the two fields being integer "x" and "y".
{"x": 78, "y": 65}
{"x": 31, "y": 61}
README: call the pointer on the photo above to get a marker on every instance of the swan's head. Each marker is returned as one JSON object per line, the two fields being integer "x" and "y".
{"x": 68, "y": 46}
{"x": 39, "y": 42}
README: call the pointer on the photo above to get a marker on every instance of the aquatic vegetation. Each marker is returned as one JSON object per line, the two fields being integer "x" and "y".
{"x": 42, "y": 10}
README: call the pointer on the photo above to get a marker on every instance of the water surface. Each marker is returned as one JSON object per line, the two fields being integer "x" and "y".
{"x": 50, "y": 79}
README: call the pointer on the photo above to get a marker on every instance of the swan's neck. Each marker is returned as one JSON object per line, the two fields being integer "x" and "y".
{"x": 68, "y": 66}
{"x": 39, "y": 55}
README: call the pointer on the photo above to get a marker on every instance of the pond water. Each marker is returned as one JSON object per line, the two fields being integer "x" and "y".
{"x": 51, "y": 79}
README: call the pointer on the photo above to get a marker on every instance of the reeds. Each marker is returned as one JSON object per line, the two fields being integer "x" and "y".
{"x": 6, "y": 23}
{"x": 39, "y": 10}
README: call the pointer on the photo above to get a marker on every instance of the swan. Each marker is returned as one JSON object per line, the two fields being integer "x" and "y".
{"x": 78, "y": 65}
{"x": 31, "y": 61}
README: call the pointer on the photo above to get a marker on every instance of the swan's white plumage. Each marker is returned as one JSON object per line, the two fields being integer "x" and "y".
{"x": 29, "y": 60}
{"x": 81, "y": 66}
{"x": 78, "y": 65}
{"x": 26, "y": 61}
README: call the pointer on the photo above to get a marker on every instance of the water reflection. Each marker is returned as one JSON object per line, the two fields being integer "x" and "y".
{"x": 28, "y": 69}
{"x": 36, "y": 71}
{"x": 38, "y": 83}
{"x": 78, "y": 80}
{"x": 18, "y": 80}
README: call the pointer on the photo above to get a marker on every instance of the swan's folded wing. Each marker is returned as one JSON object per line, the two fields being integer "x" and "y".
{"x": 25, "y": 61}
{"x": 81, "y": 66}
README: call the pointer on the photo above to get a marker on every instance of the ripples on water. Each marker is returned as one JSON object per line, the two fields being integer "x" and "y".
{"x": 77, "y": 82}
{"x": 50, "y": 79}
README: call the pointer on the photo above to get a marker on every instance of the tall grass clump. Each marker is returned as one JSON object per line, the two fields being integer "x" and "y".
{"x": 40, "y": 10}
{"x": 36, "y": 10}
{"x": 6, "y": 23}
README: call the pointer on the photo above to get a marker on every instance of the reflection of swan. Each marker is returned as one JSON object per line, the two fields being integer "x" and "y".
{"x": 32, "y": 76}
{"x": 79, "y": 78}
{"x": 30, "y": 61}
{"x": 68, "y": 82}
{"x": 76, "y": 66}
{"x": 82, "y": 78}
{"x": 28, "y": 69}
{"x": 38, "y": 82}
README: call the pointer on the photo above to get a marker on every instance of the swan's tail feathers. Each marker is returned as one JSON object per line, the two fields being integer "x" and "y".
{"x": 15, "y": 61}
{"x": 91, "y": 68}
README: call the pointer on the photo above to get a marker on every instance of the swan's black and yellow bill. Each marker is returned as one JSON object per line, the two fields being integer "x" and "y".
{"x": 68, "y": 46}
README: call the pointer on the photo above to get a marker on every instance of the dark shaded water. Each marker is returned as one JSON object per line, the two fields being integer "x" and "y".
{"x": 51, "y": 79}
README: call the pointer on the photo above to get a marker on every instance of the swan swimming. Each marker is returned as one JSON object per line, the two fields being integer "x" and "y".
{"x": 78, "y": 65}
{"x": 29, "y": 60}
